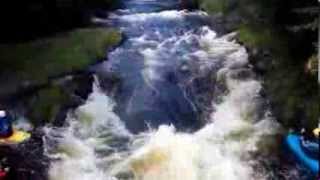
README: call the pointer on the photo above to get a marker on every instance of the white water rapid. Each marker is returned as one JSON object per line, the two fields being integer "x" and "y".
{"x": 96, "y": 145}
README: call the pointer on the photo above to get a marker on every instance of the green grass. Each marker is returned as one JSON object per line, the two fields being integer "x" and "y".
{"x": 38, "y": 60}
{"x": 214, "y": 6}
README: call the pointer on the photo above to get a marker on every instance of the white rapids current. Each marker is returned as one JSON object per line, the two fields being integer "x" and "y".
{"x": 95, "y": 144}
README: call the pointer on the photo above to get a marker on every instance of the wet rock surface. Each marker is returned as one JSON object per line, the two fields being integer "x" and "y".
{"x": 27, "y": 160}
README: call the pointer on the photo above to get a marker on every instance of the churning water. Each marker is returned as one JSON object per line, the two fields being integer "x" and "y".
{"x": 172, "y": 68}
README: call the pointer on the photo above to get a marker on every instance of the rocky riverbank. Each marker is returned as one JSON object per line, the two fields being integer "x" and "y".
{"x": 281, "y": 40}
{"x": 40, "y": 77}
{"x": 41, "y": 81}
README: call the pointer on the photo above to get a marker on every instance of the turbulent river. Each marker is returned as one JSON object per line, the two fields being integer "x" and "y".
{"x": 187, "y": 105}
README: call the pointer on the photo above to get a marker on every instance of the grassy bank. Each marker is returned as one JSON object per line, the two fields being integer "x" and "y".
{"x": 287, "y": 31}
{"x": 34, "y": 63}
{"x": 38, "y": 60}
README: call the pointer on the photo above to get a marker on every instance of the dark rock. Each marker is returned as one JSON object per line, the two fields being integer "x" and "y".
{"x": 261, "y": 59}
{"x": 189, "y": 4}
{"x": 242, "y": 74}
{"x": 110, "y": 82}
{"x": 49, "y": 102}
{"x": 26, "y": 161}
{"x": 78, "y": 88}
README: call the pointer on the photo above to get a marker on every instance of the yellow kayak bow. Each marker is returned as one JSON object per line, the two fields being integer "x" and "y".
{"x": 16, "y": 138}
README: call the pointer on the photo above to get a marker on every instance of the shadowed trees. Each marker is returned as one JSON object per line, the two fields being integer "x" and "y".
{"x": 26, "y": 20}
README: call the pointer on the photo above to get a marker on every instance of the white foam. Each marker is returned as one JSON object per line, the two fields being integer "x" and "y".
{"x": 219, "y": 151}
{"x": 90, "y": 128}
{"x": 164, "y": 15}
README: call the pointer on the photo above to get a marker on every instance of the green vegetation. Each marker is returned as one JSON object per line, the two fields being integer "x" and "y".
{"x": 47, "y": 103}
{"x": 264, "y": 37}
{"x": 36, "y": 61}
{"x": 254, "y": 36}
{"x": 287, "y": 30}
{"x": 214, "y": 6}
{"x": 294, "y": 95}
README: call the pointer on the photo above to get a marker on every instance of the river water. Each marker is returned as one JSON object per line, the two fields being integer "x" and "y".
{"x": 187, "y": 105}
